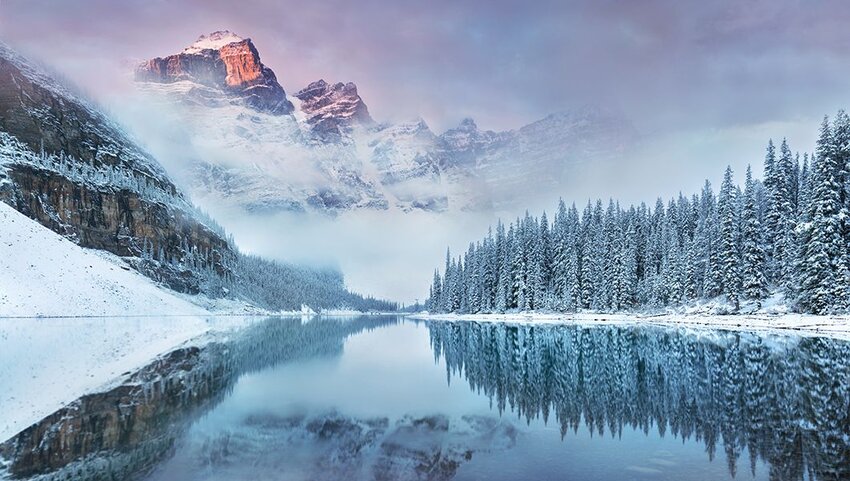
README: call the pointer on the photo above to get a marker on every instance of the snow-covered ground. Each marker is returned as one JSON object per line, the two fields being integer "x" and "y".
{"x": 44, "y": 274}
{"x": 796, "y": 324}
{"x": 45, "y": 361}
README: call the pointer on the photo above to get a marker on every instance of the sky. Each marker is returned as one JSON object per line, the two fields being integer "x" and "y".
{"x": 705, "y": 83}
{"x": 666, "y": 64}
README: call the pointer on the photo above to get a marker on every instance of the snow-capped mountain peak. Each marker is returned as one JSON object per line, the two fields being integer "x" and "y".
{"x": 213, "y": 41}
{"x": 326, "y": 153}
{"x": 224, "y": 68}
{"x": 333, "y": 110}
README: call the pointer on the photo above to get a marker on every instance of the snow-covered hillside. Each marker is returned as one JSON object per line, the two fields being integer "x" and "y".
{"x": 44, "y": 274}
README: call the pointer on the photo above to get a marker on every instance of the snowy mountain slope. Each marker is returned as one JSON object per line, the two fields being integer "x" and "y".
{"x": 48, "y": 362}
{"x": 45, "y": 274}
{"x": 68, "y": 166}
{"x": 330, "y": 156}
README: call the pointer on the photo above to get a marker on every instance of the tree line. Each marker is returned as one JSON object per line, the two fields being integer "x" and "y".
{"x": 786, "y": 235}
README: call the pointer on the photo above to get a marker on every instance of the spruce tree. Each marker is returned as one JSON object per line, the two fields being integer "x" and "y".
{"x": 729, "y": 258}
{"x": 755, "y": 284}
{"x": 822, "y": 236}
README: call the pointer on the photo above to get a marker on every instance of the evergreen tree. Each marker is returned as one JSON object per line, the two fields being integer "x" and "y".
{"x": 755, "y": 284}
{"x": 728, "y": 255}
{"x": 793, "y": 230}
{"x": 822, "y": 236}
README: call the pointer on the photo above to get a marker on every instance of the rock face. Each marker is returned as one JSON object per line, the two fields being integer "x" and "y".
{"x": 224, "y": 61}
{"x": 333, "y": 110}
{"x": 136, "y": 417}
{"x": 67, "y": 166}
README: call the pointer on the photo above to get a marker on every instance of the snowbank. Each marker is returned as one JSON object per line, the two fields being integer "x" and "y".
{"x": 796, "y": 324}
{"x": 42, "y": 274}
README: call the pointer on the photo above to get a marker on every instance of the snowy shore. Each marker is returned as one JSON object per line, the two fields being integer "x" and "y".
{"x": 790, "y": 324}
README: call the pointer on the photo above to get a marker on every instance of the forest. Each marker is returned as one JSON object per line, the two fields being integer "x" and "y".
{"x": 786, "y": 237}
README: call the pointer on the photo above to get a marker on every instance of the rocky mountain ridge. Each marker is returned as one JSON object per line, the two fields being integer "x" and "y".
{"x": 223, "y": 61}
{"x": 332, "y": 111}
{"x": 327, "y": 154}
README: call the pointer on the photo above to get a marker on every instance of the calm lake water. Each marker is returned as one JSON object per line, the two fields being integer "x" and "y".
{"x": 397, "y": 399}
{"x": 384, "y": 398}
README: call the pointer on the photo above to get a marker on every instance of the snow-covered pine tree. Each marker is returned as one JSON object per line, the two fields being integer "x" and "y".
{"x": 436, "y": 293}
{"x": 572, "y": 296}
{"x": 769, "y": 182}
{"x": 780, "y": 219}
{"x": 822, "y": 236}
{"x": 729, "y": 256}
{"x": 697, "y": 247}
{"x": 560, "y": 261}
{"x": 588, "y": 280}
{"x": 755, "y": 283}
{"x": 841, "y": 150}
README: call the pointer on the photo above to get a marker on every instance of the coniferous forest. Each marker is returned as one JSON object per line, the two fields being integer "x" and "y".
{"x": 786, "y": 235}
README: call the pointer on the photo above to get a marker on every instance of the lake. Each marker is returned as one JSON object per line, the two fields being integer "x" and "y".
{"x": 391, "y": 398}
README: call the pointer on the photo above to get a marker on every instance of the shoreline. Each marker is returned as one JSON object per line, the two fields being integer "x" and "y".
{"x": 837, "y": 327}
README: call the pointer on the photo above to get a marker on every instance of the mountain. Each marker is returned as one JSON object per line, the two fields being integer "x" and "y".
{"x": 543, "y": 156}
{"x": 327, "y": 154}
{"x": 332, "y": 111}
{"x": 70, "y": 168}
{"x": 223, "y": 62}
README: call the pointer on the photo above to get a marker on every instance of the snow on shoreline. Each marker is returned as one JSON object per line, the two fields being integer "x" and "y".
{"x": 74, "y": 320}
{"x": 837, "y": 327}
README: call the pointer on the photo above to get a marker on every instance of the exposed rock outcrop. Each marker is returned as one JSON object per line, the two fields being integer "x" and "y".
{"x": 67, "y": 166}
{"x": 333, "y": 110}
{"x": 223, "y": 61}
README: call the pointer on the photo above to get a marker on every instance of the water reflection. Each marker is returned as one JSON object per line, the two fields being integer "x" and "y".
{"x": 334, "y": 446}
{"x": 784, "y": 400}
{"x": 123, "y": 432}
{"x": 361, "y": 399}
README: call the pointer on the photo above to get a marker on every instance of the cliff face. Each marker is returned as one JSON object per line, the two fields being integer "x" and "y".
{"x": 67, "y": 166}
{"x": 333, "y": 110}
{"x": 225, "y": 62}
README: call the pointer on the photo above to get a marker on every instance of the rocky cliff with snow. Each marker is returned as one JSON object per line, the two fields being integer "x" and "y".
{"x": 70, "y": 168}
{"x": 333, "y": 111}
{"x": 225, "y": 62}
{"x": 327, "y": 154}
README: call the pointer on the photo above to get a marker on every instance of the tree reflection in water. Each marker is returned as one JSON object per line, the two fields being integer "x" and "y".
{"x": 784, "y": 399}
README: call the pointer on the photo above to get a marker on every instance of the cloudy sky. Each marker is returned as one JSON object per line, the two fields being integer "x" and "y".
{"x": 666, "y": 64}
